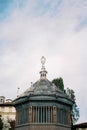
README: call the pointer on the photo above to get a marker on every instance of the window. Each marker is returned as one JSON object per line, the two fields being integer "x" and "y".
{"x": 42, "y": 114}
{"x": 62, "y": 116}
{"x": 22, "y": 116}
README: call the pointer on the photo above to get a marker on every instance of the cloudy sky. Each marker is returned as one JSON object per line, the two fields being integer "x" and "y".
{"x": 56, "y": 29}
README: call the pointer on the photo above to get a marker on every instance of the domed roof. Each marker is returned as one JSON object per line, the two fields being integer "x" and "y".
{"x": 42, "y": 86}
{"x": 43, "y": 89}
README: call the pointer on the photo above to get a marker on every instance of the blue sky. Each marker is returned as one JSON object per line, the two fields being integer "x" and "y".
{"x": 56, "y": 29}
{"x": 4, "y": 8}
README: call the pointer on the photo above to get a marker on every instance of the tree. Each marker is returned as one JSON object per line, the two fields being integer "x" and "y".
{"x": 1, "y": 123}
{"x": 75, "y": 113}
{"x": 75, "y": 110}
{"x": 6, "y": 124}
{"x": 59, "y": 83}
{"x": 70, "y": 92}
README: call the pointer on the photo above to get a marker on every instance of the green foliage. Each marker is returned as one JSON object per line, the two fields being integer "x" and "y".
{"x": 75, "y": 113}
{"x": 59, "y": 83}
{"x": 1, "y": 123}
{"x": 70, "y": 92}
{"x": 75, "y": 110}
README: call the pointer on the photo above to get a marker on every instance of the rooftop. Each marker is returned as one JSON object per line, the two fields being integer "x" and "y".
{"x": 44, "y": 89}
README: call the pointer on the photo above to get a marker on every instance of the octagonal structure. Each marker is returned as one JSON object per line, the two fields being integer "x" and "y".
{"x": 43, "y": 106}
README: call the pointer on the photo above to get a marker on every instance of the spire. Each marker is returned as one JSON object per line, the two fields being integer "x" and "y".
{"x": 43, "y": 72}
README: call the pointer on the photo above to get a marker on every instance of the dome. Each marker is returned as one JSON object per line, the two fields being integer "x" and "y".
{"x": 43, "y": 85}
{"x": 43, "y": 89}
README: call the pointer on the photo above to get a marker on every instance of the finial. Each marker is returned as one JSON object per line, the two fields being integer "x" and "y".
{"x": 43, "y": 72}
{"x": 43, "y": 60}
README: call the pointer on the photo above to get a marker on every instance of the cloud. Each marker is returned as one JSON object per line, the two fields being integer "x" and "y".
{"x": 33, "y": 28}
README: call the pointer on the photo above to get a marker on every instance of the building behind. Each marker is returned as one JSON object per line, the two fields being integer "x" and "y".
{"x": 7, "y": 110}
{"x": 81, "y": 126}
{"x": 43, "y": 106}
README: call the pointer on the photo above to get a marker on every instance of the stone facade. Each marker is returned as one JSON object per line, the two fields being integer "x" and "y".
{"x": 7, "y": 110}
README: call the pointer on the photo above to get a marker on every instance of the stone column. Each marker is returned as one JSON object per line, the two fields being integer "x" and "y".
{"x": 36, "y": 120}
{"x": 38, "y": 114}
{"x": 69, "y": 117}
{"x": 49, "y": 115}
{"x": 30, "y": 114}
{"x": 46, "y": 114}
{"x": 41, "y": 114}
{"x": 54, "y": 114}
